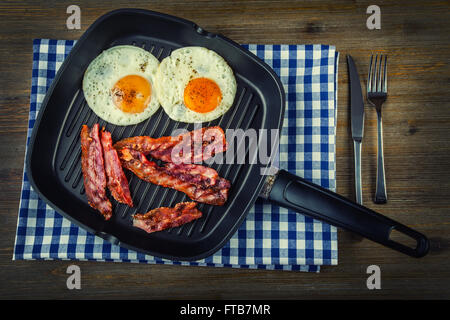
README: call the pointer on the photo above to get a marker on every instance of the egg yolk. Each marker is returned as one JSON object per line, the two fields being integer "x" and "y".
{"x": 132, "y": 93}
{"x": 202, "y": 95}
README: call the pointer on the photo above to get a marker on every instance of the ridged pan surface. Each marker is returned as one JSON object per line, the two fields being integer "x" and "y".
{"x": 54, "y": 156}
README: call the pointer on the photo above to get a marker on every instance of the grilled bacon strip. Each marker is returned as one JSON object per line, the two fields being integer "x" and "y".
{"x": 116, "y": 181}
{"x": 194, "y": 173}
{"x": 191, "y": 147}
{"x": 198, "y": 182}
{"x": 92, "y": 165}
{"x": 163, "y": 218}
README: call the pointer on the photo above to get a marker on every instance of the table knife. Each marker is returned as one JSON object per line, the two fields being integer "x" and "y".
{"x": 357, "y": 119}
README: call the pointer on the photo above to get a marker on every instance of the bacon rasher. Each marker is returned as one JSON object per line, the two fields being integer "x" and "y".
{"x": 163, "y": 218}
{"x": 198, "y": 182}
{"x": 191, "y": 147}
{"x": 116, "y": 181}
{"x": 92, "y": 165}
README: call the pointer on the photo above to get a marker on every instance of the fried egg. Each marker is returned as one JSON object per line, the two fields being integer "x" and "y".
{"x": 119, "y": 85}
{"x": 195, "y": 84}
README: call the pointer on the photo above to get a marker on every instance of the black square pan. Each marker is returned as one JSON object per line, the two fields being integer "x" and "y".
{"x": 53, "y": 158}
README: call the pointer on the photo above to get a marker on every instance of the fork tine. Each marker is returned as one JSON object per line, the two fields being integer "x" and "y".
{"x": 374, "y": 79}
{"x": 385, "y": 75}
{"x": 369, "y": 77}
{"x": 379, "y": 74}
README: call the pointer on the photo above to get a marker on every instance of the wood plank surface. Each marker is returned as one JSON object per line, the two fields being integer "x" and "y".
{"x": 416, "y": 118}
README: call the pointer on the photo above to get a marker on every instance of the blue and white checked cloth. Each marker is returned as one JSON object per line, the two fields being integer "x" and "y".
{"x": 271, "y": 237}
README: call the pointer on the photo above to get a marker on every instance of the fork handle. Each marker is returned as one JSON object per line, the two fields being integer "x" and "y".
{"x": 380, "y": 192}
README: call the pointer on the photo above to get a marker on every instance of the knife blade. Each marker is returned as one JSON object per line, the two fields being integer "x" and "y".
{"x": 357, "y": 123}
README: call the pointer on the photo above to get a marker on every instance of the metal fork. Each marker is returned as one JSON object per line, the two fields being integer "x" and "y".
{"x": 377, "y": 94}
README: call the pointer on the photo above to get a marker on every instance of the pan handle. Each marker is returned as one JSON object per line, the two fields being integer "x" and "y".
{"x": 296, "y": 193}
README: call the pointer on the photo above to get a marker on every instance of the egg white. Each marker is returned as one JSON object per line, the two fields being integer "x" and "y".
{"x": 106, "y": 69}
{"x": 185, "y": 64}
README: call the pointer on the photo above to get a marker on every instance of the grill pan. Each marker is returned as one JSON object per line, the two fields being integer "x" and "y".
{"x": 54, "y": 158}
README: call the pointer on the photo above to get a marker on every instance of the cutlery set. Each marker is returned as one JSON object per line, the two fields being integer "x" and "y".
{"x": 376, "y": 95}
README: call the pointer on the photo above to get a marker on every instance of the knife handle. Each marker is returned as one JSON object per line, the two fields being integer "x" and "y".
{"x": 358, "y": 180}
{"x": 296, "y": 193}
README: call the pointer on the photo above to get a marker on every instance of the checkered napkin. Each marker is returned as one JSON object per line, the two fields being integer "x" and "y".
{"x": 271, "y": 237}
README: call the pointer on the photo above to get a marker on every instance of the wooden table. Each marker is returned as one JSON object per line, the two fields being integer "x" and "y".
{"x": 416, "y": 140}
